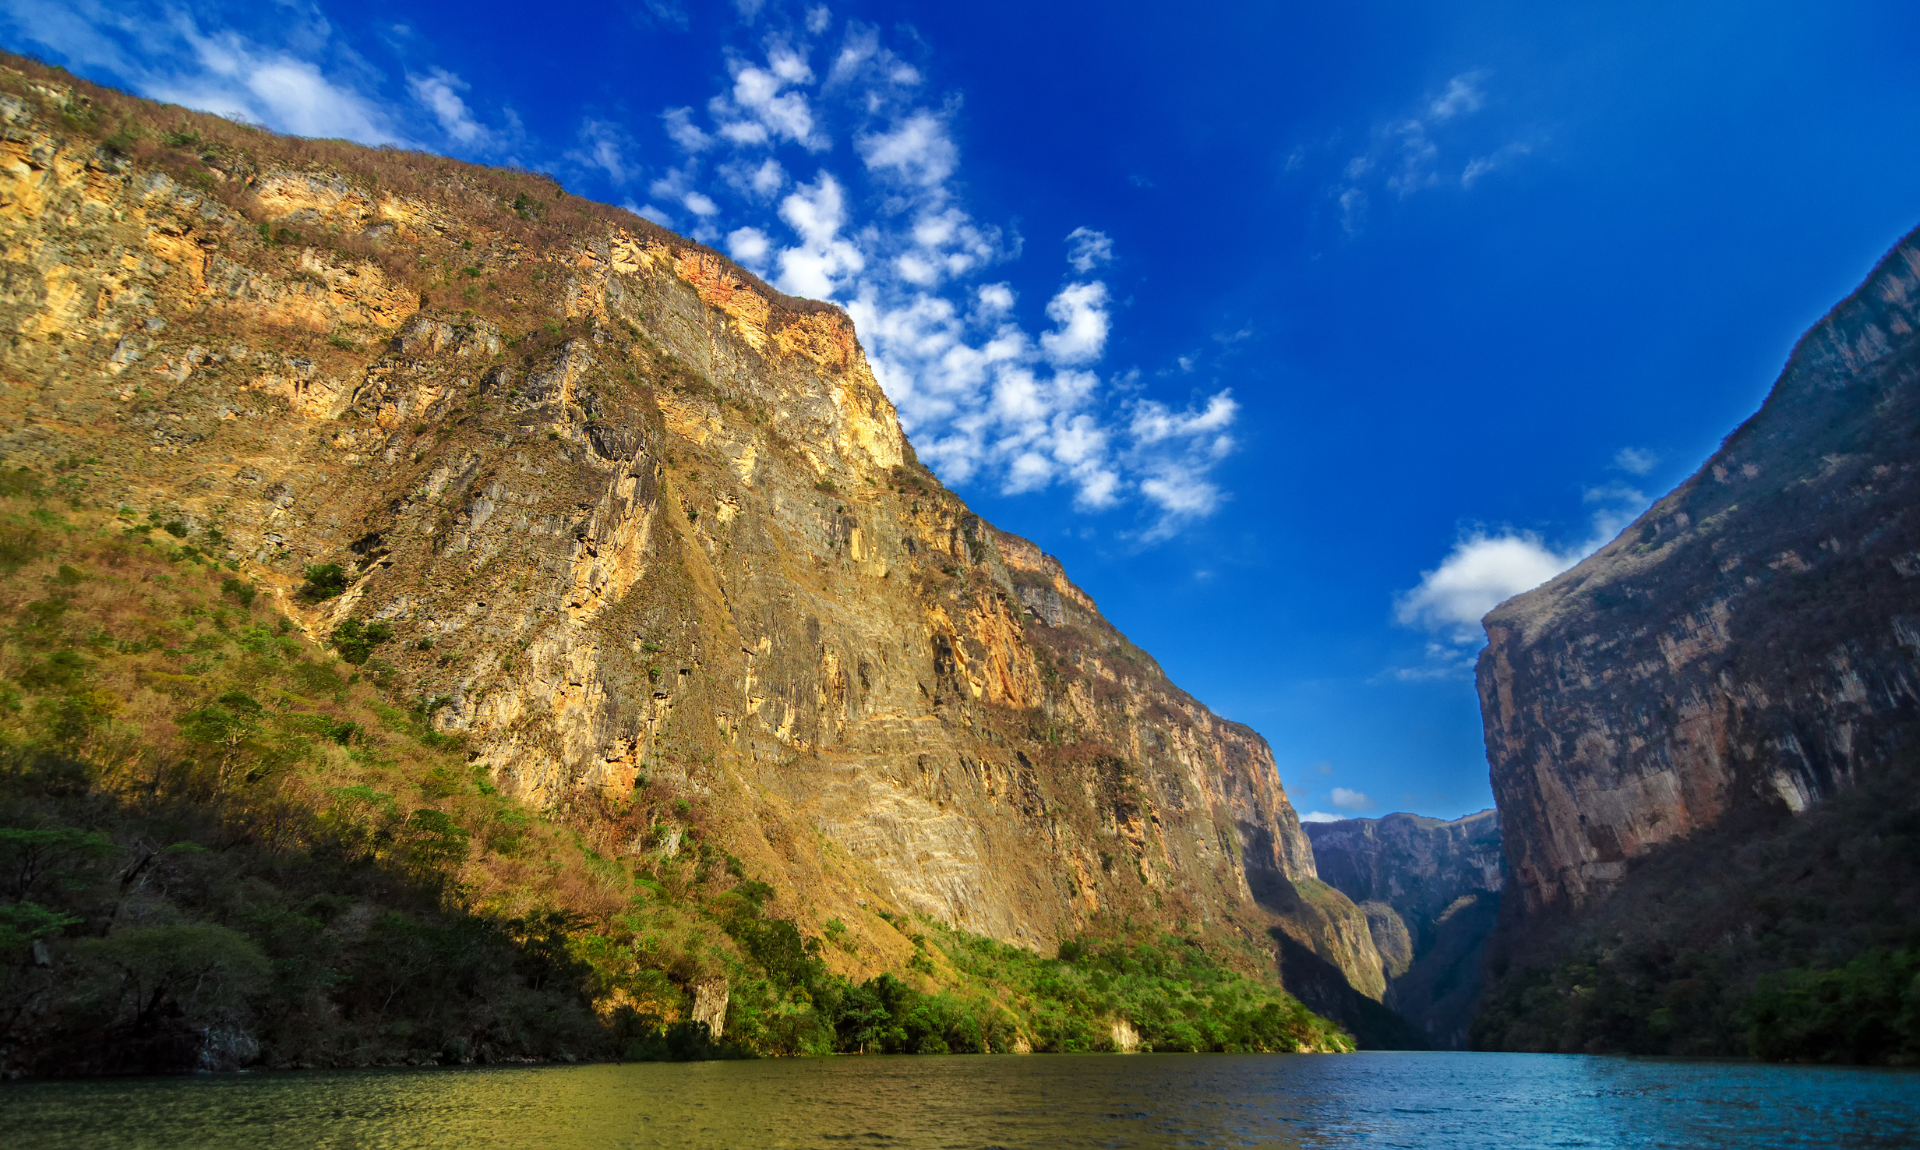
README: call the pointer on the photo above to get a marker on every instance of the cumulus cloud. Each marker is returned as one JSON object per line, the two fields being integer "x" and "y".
{"x": 1079, "y": 312}
{"x": 1321, "y": 817}
{"x": 917, "y": 148}
{"x": 1088, "y": 249}
{"x": 824, "y": 260}
{"x": 1484, "y": 569}
{"x": 1348, "y": 800}
{"x": 1481, "y": 572}
{"x": 767, "y": 105}
{"x": 749, "y": 246}
{"x": 988, "y": 395}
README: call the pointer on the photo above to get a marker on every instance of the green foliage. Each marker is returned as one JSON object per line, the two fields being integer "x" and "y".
{"x": 239, "y": 590}
{"x": 323, "y": 581}
{"x": 356, "y": 640}
{"x": 216, "y": 850}
{"x": 1774, "y": 936}
{"x": 1865, "y": 1012}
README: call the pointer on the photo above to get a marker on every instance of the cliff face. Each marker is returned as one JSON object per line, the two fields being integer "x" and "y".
{"x": 642, "y": 529}
{"x": 1431, "y": 893}
{"x": 1749, "y": 642}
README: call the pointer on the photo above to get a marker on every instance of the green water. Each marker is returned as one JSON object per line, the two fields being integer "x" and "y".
{"x": 1396, "y": 1100}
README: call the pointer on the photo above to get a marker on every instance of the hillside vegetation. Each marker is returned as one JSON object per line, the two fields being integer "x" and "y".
{"x": 224, "y": 843}
{"x": 1781, "y": 937}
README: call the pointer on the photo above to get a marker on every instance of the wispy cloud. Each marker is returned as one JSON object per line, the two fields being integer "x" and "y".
{"x": 1636, "y": 460}
{"x": 1430, "y": 147}
{"x": 291, "y": 73}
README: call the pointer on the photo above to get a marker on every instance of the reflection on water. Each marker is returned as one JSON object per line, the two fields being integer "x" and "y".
{"x": 1397, "y": 1100}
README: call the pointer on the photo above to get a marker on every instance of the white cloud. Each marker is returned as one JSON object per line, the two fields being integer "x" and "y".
{"x": 1088, "y": 249}
{"x": 1080, "y": 311}
{"x": 1481, "y": 572}
{"x": 819, "y": 19}
{"x": 684, "y": 132}
{"x": 1498, "y": 159}
{"x": 763, "y": 109}
{"x": 917, "y": 148}
{"x": 602, "y": 147}
{"x": 1348, "y": 800}
{"x": 440, "y": 91}
{"x": 749, "y": 246}
{"x": 1411, "y": 153}
{"x": 987, "y": 397}
{"x": 1462, "y": 97}
{"x": 307, "y": 85}
{"x": 825, "y": 260}
{"x": 650, "y": 212}
{"x": 1636, "y": 460}
{"x": 1321, "y": 817}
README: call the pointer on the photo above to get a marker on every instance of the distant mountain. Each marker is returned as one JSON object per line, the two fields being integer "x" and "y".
{"x": 1431, "y": 892}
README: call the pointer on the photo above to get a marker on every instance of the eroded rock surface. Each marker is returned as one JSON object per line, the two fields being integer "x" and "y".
{"x": 1751, "y": 639}
{"x": 646, "y": 532}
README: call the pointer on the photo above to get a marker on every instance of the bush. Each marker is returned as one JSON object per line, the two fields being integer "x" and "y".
{"x": 356, "y": 640}
{"x": 324, "y": 581}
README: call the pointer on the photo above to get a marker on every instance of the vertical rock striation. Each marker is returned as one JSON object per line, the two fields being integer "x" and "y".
{"x": 1750, "y": 641}
{"x": 646, "y": 532}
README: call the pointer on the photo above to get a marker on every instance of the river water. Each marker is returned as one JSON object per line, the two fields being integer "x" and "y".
{"x": 972, "y": 1103}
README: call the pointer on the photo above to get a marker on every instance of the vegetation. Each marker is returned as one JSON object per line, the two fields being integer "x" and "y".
{"x": 222, "y": 845}
{"x": 1777, "y": 937}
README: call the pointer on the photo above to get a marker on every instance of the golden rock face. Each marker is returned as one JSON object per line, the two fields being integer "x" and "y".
{"x": 647, "y": 533}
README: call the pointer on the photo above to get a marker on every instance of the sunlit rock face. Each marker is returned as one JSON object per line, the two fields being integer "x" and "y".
{"x": 1430, "y": 889}
{"x": 1751, "y": 639}
{"x": 647, "y": 533}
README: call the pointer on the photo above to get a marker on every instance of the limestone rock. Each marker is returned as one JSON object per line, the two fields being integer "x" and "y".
{"x": 647, "y": 534}
{"x": 1750, "y": 640}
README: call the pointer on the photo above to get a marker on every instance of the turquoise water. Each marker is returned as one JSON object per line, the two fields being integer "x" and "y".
{"x": 1387, "y": 1100}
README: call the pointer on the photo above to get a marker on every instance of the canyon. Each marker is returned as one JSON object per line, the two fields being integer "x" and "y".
{"x": 1430, "y": 889}
{"x": 640, "y": 532}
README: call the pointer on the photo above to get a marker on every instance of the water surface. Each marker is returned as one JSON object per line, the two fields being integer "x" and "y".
{"x": 973, "y": 1103}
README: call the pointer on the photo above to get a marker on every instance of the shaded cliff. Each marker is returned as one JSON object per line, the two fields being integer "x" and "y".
{"x": 1664, "y": 721}
{"x": 640, "y": 531}
{"x": 1749, "y": 641}
{"x": 1431, "y": 892}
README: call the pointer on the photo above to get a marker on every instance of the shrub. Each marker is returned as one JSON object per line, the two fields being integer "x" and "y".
{"x": 356, "y": 640}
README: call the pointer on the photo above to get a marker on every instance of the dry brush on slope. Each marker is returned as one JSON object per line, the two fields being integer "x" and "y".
{"x": 642, "y": 531}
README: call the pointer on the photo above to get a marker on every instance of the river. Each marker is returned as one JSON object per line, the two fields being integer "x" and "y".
{"x": 1043, "y": 1101}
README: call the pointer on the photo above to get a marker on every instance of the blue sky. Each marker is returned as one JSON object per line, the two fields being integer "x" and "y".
{"x": 1302, "y": 333}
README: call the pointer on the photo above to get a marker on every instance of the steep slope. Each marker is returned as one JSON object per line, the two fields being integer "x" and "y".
{"x": 1673, "y": 724}
{"x": 642, "y": 531}
{"x": 1749, "y": 641}
{"x": 1431, "y": 892}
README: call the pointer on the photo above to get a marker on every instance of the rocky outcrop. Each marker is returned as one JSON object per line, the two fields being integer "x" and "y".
{"x": 646, "y": 533}
{"x": 1431, "y": 892}
{"x": 1749, "y": 642}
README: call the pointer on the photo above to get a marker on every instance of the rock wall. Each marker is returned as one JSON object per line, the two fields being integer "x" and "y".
{"x": 1750, "y": 640}
{"x": 646, "y": 532}
{"x": 1431, "y": 892}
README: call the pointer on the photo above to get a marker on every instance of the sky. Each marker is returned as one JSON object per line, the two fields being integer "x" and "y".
{"x": 1302, "y": 333}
